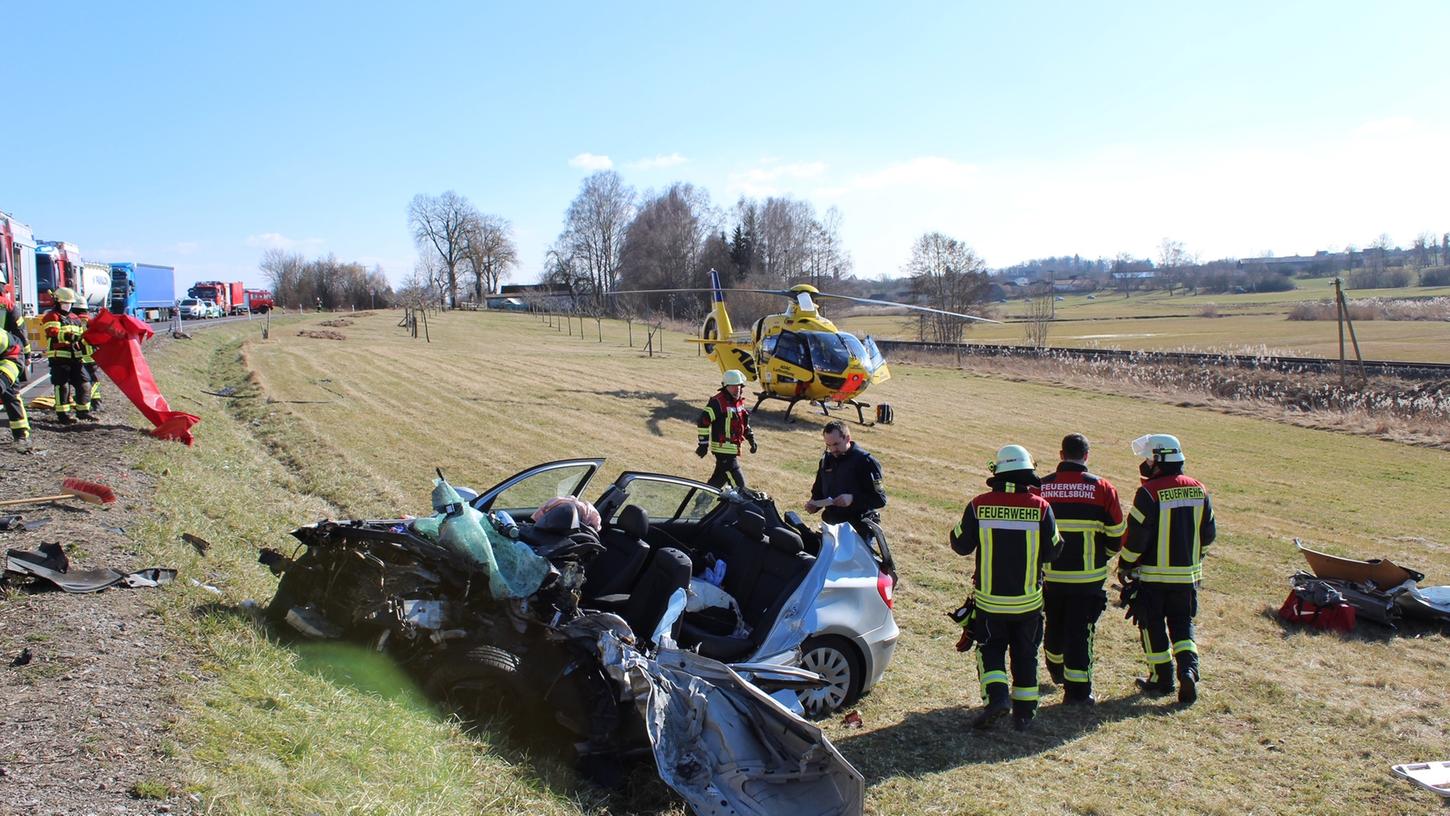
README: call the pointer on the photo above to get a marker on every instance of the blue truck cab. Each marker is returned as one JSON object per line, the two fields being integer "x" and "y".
{"x": 139, "y": 288}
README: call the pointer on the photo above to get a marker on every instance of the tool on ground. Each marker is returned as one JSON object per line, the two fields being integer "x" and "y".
{"x": 93, "y": 492}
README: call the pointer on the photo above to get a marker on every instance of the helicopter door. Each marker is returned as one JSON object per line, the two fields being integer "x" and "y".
{"x": 792, "y": 349}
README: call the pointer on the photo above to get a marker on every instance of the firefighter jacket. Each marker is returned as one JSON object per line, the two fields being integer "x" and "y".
{"x": 10, "y": 347}
{"x": 14, "y": 325}
{"x": 1013, "y": 532}
{"x": 1169, "y": 527}
{"x": 1091, "y": 523}
{"x": 724, "y": 424}
{"x": 63, "y": 332}
{"x": 856, "y": 472}
{"x": 86, "y": 349}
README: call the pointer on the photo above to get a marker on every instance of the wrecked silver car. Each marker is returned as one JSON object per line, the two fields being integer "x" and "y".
{"x": 483, "y": 609}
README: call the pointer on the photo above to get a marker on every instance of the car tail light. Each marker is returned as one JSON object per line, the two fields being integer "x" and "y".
{"x": 886, "y": 585}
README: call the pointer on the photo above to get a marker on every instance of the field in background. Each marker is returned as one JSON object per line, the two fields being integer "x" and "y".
{"x": 1245, "y": 324}
{"x": 1289, "y": 722}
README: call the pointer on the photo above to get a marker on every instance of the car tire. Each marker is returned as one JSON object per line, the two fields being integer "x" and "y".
{"x": 475, "y": 679}
{"x": 836, "y": 659}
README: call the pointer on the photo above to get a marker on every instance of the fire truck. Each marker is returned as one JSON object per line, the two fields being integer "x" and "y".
{"x": 57, "y": 264}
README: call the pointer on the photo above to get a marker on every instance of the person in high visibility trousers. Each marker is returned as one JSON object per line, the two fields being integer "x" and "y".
{"x": 1090, "y": 520}
{"x": 87, "y": 362}
{"x": 13, "y": 348}
{"x": 63, "y": 349}
{"x": 723, "y": 426}
{"x": 1169, "y": 528}
{"x": 1013, "y": 532}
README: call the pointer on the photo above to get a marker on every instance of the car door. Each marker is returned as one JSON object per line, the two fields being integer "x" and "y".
{"x": 675, "y": 505}
{"x": 524, "y": 492}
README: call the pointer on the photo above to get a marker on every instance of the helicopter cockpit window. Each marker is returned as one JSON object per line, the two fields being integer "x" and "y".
{"x": 791, "y": 347}
{"x": 828, "y": 351}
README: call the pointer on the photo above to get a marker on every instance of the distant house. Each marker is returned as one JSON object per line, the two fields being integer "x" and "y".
{"x": 539, "y": 295}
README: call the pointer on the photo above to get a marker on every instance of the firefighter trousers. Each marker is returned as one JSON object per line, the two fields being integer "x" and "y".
{"x": 10, "y": 396}
{"x": 72, "y": 392}
{"x": 727, "y": 467}
{"x": 997, "y": 635}
{"x": 1071, "y": 612}
{"x": 1165, "y": 615}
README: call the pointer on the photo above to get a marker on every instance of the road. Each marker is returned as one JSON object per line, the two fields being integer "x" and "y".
{"x": 40, "y": 377}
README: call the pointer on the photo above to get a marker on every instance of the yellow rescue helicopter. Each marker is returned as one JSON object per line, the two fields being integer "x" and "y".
{"x": 798, "y": 355}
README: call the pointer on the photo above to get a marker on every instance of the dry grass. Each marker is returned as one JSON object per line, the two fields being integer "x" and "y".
{"x": 1289, "y": 722}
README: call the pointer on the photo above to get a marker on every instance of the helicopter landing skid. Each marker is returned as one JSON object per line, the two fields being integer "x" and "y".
{"x": 791, "y": 402}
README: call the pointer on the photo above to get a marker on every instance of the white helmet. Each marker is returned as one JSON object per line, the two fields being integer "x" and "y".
{"x": 733, "y": 377}
{"x": 1012, "y": 457}
{"x": 1158, "y": 447}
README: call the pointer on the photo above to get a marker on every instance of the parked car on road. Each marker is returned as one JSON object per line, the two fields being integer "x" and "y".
{"x": 193, "y": 309}
{"x": 212, "y": 309}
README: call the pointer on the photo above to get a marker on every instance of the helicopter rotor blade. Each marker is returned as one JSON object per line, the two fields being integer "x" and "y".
{"x": 892, "y": 303}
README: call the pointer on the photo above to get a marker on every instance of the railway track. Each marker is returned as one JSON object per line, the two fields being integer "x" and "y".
{"x": 1316, "y": 365}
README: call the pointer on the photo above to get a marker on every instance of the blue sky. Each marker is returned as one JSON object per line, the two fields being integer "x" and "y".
{"x": 202, "y": 134}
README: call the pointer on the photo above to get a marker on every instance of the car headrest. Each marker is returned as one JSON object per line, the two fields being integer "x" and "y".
{"x": 560, "y": 519}
{"x": 751, "y": 524}
{"x": 785, "y": 539}
{"x": 634, "y": 521}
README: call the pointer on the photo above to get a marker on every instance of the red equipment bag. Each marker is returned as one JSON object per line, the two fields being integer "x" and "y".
{"x": 1333, "y": 618}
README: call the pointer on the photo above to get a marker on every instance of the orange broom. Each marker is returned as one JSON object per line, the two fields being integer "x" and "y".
{"x": 93, "y": 492}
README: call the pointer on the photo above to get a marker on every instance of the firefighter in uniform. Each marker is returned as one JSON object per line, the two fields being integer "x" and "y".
{"x": 1013, "y": 533}
{"x": 1169, "y": 528}
{"x": 1090, "y": 520}
{"x": 848, "y": 487}
{"x": 722, "y": 427}
{"x": 63, "y": 349}
{"x": 13, "y": 349}
{"x": 87, "y": 362}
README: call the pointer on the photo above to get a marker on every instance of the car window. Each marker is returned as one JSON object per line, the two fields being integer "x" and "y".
{"x": 665, "y": 500}
{"x": 533, "y": 489}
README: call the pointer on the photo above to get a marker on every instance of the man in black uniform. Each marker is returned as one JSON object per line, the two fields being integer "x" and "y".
{"x": 848, "y": 482}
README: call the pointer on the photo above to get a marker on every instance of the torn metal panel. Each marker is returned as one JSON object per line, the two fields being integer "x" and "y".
{"x": 51, "y": 565}
{"x": 1382, "y": 572}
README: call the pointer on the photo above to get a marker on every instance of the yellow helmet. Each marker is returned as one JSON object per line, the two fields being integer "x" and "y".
{"x": 64, "y": 295}
{"x": 733, "y": 377}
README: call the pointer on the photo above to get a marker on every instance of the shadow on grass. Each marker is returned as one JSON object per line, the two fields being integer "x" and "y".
{"x": 507, "y": 729}
{"x": 942, "y": 739}
{"x": 1365, "y": 629}
{"x": 663, "y": 406}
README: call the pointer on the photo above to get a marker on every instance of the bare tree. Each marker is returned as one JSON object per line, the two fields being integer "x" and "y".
{"x": 440, "y": 224}
{"x": 284, "y": 274}
{"x": 594, "y": 229}
{"x": 951, "y": 277}
{"x": 663, "y": 245}
{"x": 488, "y": 248}
{"x": 825, "y": 258}
{"x": 1040, "y": 311}
{"x": 1172, "y": 260}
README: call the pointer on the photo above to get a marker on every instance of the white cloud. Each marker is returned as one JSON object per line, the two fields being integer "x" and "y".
{"x": 659, "y": 162}
{"x": 276, "y": 240}
{"x": 590, "y": 161}
{"x": 772, "y": 178}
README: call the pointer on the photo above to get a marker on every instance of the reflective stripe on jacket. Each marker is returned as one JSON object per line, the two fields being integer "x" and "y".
{"x": 1169, "y": 527}
{"x": 1013, "y": 532}
{"x": 724, "y": 424}
{"x": 1091, "y": 522}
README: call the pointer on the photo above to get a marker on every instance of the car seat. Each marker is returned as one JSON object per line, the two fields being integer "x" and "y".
{"x": 624, "y": 556}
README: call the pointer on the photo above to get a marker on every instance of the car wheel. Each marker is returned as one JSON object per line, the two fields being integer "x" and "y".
{"x": 474, "y": 679}
{"x": 837, "y": 660}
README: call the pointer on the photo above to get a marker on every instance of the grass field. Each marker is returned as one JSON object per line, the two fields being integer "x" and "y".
{"x": 1246, "y": 324}
{"x": 1289, "y": 722}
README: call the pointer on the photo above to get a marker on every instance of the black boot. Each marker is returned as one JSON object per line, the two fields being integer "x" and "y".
{"x": 1154, "y": 688}
{"x": 997, "y": 708}
{"x": 65, "y": 419}
{"x": 1078, "y": 694}
{"x": 1187, "y": 685}
{"x": 1054, "y": 670}
{"x": 1022, "y": 714}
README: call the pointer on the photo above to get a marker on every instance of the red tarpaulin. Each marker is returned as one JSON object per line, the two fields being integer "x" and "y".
{"x": 117, "y": 339}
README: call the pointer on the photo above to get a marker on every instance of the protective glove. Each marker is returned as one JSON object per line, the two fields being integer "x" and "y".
{"x": 751, "y": 440}
{"x": 702, "y": 449}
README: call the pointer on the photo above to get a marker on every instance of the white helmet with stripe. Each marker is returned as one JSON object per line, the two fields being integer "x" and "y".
{"x": 1158, "y": 447}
